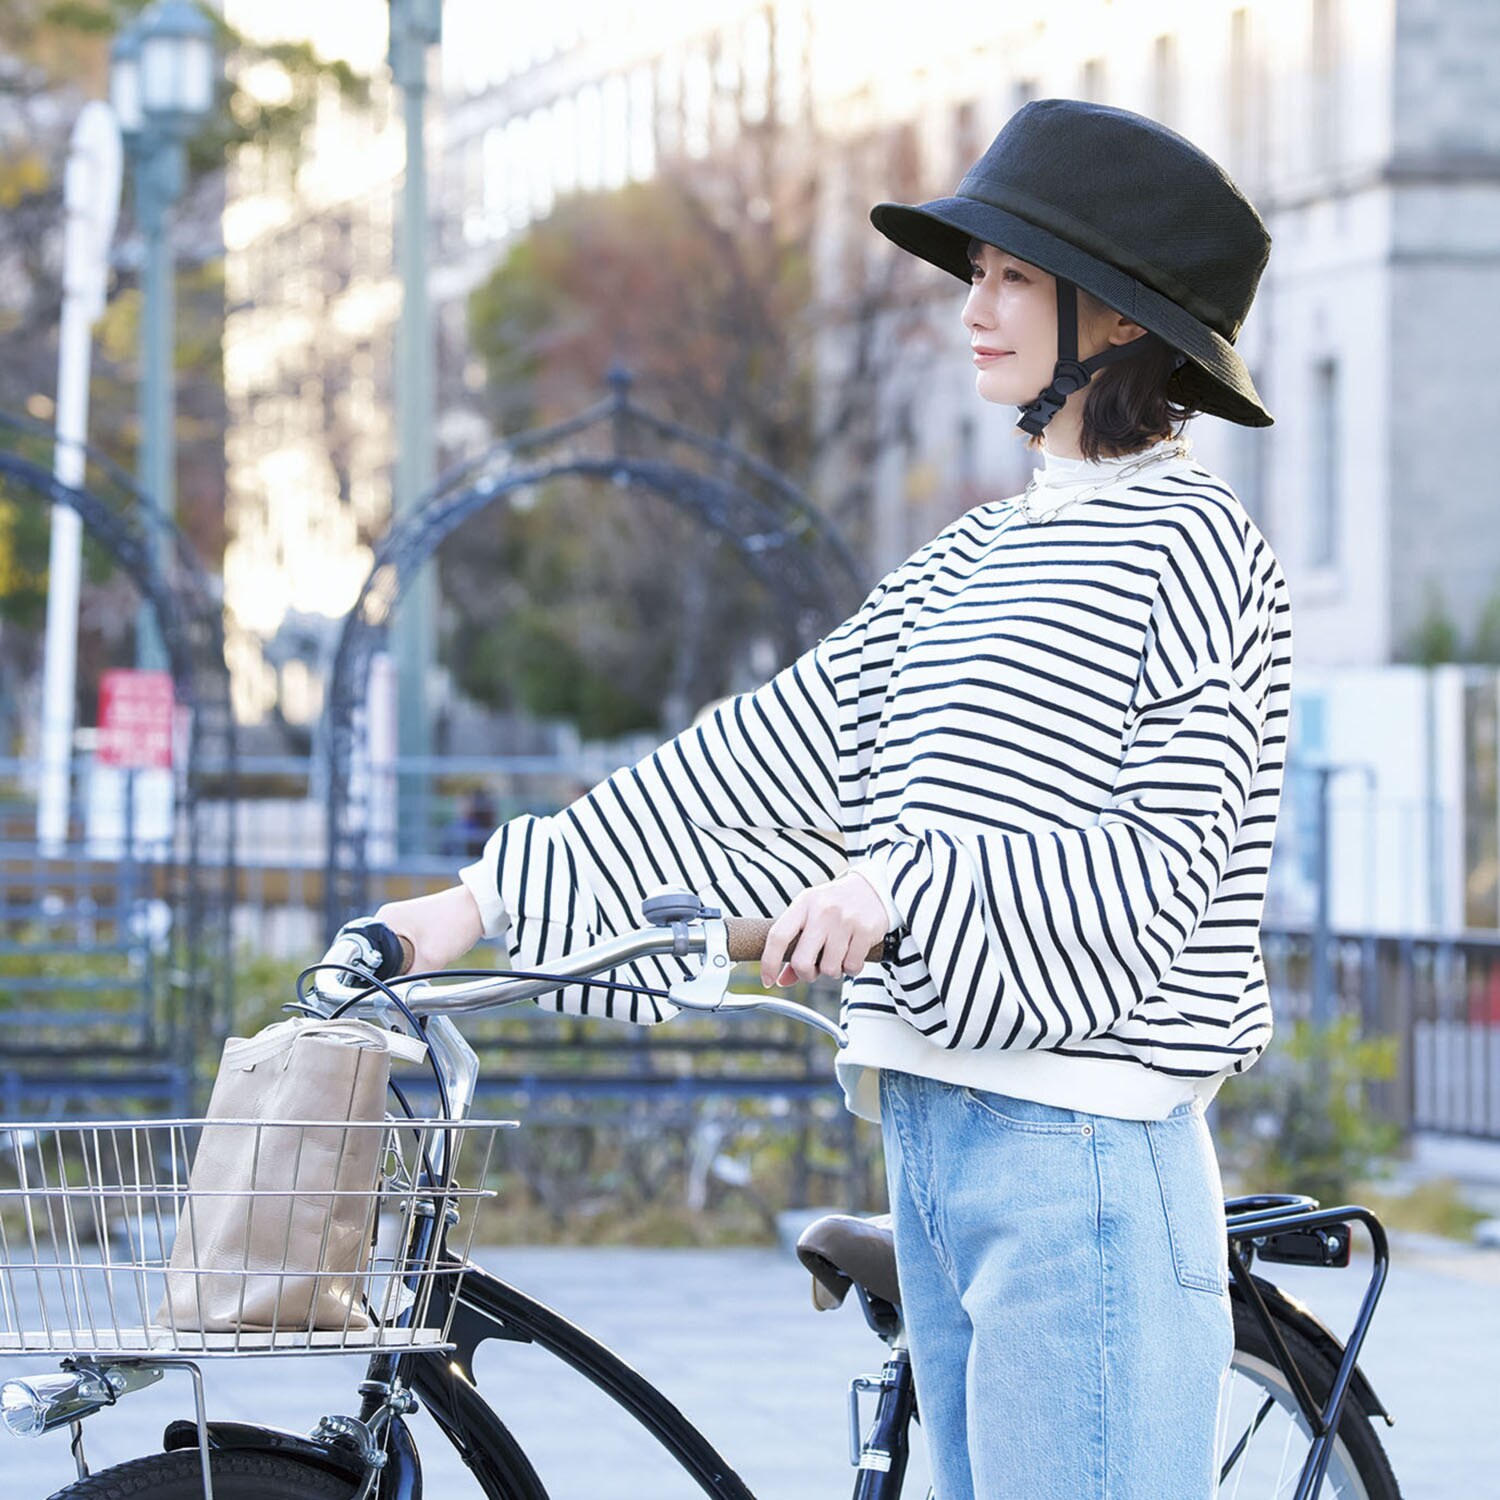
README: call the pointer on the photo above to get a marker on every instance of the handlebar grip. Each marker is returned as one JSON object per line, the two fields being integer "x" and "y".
{"x": 747, "y": 939}
{"x": 383, "y": 951}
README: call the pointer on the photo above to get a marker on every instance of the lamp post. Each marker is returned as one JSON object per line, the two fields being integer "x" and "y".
{"x": 416, "y": 25}
{"x": 161, "y": 86}
{"x": 91, "y": 194}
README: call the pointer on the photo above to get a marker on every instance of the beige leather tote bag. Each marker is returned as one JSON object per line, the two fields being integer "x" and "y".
{"x": 276, "y": 1227}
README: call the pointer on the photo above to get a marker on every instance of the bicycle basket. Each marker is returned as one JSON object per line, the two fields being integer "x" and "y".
{"x": 106, "y": 1249}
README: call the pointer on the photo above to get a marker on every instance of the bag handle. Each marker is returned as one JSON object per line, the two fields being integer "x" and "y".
{"x": 245, "y": 1052}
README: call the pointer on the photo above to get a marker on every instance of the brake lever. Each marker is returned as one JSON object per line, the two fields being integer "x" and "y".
{"x": 804, "y": 1013}
{"x": 708, "y": 989}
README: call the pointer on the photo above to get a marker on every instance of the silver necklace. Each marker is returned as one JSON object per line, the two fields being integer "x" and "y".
{"x": 1180, "y": 448}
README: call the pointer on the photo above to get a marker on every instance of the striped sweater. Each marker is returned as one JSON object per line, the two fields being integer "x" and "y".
{"x": 1055, "y": 746}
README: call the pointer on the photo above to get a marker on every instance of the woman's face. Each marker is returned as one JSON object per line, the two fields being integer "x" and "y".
{"x": 1011, "y": 316}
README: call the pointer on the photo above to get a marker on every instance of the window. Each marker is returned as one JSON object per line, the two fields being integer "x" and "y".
{"x": 966, "y": 463}
{"x": 1323, "y": 523}
{"x": 755, "y": 69}
{"x": 965, "y": 136}
{"x": 905, "y": 160}
{"x": 697, "y": 104}
{"x": 588, "y": 125}
{"x": 643, "y": 115}
{"x": 1164, "y": 80}
{"x": 615, "y": 119}
{"x": 1252, "y": 462}
{"x": 1481, "y": 804}
{"x": 1325, "y": 85}
{"x": 494, "y": 184}
{"x": 1297, "y": 838}
{"x": 1091, "y": 81}
{"x": 1023, "y": 91}
{"x": 1239, "y": 91}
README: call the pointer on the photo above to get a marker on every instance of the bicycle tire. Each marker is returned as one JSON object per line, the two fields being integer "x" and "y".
{"x": 238, "y": 1474}
{"x": 1359, "y": 1468}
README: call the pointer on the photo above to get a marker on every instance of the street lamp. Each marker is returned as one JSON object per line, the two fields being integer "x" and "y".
{"x": 177, "y": 66}
{"x": 125, "y": 81}
{"x": 416, "y": 26}
{"x": 161, "y": 86}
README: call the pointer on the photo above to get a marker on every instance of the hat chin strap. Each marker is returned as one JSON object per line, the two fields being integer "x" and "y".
{"x": 1069, "y": 374}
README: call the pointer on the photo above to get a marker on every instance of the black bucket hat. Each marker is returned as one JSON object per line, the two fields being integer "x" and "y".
{"x": 1127, "y": 209}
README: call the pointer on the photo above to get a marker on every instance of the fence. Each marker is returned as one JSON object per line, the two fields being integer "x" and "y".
{"x": 1439, "y": 994}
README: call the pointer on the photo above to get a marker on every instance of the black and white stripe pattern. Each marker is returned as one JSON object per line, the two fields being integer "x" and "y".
{"x": 1063, "y": 741}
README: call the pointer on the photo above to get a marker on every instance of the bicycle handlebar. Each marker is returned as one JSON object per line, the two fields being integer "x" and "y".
{"x": 720, "y": 940}
{"x": 683, "y": 927}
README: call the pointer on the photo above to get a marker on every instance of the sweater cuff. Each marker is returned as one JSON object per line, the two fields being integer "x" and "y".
{"x": 874, "y": 871}
{"x": 482, "y": 880}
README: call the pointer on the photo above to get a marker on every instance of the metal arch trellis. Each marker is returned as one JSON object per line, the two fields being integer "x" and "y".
{"x": 200, "y": 874}
{"x": 779, "y": 536}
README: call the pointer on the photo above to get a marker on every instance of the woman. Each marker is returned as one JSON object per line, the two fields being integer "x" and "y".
{"x": 1046, "y": 753}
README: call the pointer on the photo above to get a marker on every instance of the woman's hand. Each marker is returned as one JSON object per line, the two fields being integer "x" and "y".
{"x": 436, "y": 929}
{"x": 829, "y": 929}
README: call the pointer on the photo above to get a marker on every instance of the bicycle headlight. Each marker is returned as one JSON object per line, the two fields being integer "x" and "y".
{"x": 29, "y": 1408}
{"x": 21, "y": 1410}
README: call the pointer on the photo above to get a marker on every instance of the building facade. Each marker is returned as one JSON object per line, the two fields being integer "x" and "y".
{"x": 311, "y": 300}
{"x": 524, "y": 108}
{"x": 1368, "y": 136}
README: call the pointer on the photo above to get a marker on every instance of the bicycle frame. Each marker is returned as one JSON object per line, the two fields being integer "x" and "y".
{"x": 488, "y": 1308}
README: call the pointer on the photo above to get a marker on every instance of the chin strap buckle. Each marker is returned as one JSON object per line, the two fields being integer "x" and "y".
{"x": 1068, "y": 375}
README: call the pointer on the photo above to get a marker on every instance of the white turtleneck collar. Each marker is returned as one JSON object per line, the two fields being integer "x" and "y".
{"x": 1082, "y": 470}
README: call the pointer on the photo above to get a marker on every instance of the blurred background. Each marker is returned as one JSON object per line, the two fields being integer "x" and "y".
{"x": 472, "y": 393}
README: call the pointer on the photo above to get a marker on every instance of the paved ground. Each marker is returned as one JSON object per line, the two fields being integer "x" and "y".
{"x": 730, "y": 1335}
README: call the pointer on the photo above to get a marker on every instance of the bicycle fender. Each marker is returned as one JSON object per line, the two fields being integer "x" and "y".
{"x": 245, "y": 1436}
{"x": 1316, "y": 1332}
{"x": 401, "y": 1479}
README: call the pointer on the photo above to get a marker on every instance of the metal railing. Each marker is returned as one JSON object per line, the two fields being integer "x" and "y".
{"x": 1438, "y": 993}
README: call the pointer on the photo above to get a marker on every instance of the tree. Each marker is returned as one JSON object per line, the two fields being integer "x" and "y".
{"x": 700, "y": 281}
{"x": 53, "y": 56}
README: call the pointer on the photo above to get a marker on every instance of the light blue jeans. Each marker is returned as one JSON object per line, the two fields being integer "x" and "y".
{"x": 1065, "y": 1288}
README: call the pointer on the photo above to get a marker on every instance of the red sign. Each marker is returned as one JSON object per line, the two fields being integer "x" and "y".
{"x": 135, "y": 719}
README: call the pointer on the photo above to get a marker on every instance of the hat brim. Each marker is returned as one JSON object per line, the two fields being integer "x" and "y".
{"x": 1215, "y": 380}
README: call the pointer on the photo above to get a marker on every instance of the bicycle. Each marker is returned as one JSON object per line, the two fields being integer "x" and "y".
{"x": 1298, "y": 1413}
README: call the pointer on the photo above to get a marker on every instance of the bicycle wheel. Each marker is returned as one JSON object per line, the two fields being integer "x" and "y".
{"x": 237, "y": 1475}
{"x": 1264, "y": 1438}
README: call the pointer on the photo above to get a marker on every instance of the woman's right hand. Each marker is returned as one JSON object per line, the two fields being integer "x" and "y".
{"x": 828, "y": 929}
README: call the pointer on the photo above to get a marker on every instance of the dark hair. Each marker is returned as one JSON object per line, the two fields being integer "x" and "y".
{"x": 1129, "y": 405}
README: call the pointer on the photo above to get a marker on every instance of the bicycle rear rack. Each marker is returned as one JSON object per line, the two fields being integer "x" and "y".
{"x": 1290, "y": 1228}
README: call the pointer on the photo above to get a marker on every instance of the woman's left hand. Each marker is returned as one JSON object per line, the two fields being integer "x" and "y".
{"x": 833, "y": 927}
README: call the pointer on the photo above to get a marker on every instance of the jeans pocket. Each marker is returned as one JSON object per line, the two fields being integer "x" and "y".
{"x": 1026, "y": 1114}
{"x": 1192, "y": 1199}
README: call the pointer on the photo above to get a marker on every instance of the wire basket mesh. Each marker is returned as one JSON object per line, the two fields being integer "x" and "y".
{"x": 327, "y": 1240}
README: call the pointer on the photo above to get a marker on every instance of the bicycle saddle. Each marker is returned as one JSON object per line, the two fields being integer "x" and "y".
{"x": 843, "y": 1251}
